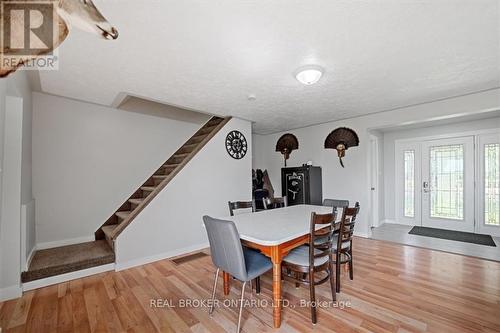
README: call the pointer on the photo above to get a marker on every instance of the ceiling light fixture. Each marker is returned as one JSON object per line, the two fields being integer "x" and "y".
{"x": 309, "y": 74}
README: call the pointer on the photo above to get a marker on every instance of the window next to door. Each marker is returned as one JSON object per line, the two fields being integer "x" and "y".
{"x": 409, "y": 183}
{"x": 492, "y": 184}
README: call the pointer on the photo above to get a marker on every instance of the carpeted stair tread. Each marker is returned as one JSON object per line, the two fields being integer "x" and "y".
{"x": 171, "y": 166}
{"x": 206, "y": 130}
{"x": 108, "y": 229}
{"x": 214, "y": 121}
{"x": 69, "y": 258}
{"x": 123, "y": 214}
{"x": 197, "y": 139}
{"x": 136, "y": 201}
{"x": 190, "y": 146}
{"x": 148, "y": 188}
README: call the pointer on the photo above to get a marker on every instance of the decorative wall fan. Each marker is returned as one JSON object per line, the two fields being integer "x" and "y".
{"x": 286, "y": 144}
{"x": 341, "y": 139}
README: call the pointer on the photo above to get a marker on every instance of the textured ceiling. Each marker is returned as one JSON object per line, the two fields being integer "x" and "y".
{"x": 210, "y": 55}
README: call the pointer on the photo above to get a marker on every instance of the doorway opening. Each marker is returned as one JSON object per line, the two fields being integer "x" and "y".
{"x": 451, "y": 182}
{"x": 443, "y": 175}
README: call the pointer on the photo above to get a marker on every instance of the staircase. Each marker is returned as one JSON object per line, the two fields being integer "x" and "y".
{"x": 65, "y": 259}
{"x": 158, "y": 180}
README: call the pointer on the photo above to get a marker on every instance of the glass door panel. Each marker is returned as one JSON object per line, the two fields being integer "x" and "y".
{"x": 448, "y": 184}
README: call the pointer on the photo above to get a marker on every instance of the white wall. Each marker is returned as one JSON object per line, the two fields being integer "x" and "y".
{"x": 389, "y": 150}
{"x": 353, "y": 183}
{"x": 172, "y": 223}
{"x": 88, "y": 159}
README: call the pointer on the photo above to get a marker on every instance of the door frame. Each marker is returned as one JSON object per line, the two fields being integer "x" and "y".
{"x": 374, "y": 172}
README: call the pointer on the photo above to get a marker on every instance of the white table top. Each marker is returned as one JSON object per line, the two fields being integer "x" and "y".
{"x": 276, "y": 226}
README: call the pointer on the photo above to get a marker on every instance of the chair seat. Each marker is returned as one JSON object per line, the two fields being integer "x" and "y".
{"x": 345, "y": 245}
{"x": 321, "y": 240}
{"x": 256, "y": 263}
{"x": 300, "y": 257}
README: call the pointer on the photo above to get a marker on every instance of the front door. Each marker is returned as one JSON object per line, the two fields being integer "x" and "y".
{"x": 448, "y": 184}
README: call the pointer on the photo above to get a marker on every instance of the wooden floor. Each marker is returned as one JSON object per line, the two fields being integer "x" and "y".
{"x": 396, "y": 288}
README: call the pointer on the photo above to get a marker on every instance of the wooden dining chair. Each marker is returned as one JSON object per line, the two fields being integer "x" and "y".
{"x": 343, "y": 239}
{"x": 303, "y": 264}
{"x": 270, "y": 203}
{"x": 231, "y": 257}
{"x": 235, "y": 205}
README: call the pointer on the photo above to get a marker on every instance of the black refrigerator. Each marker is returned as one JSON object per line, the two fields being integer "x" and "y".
{"x": 302, "y": 185}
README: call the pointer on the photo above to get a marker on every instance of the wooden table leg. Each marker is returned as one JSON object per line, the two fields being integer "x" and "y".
{"x": 276, "y": 259}
{"x": 276, "y": 254}
{"x": 227, "y": 282}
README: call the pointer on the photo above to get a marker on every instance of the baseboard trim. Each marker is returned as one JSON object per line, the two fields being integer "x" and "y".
{"x": 166, "y": 255}
{"x": 10, "y": 293}
{"x": 361, "y": 234}
{"x": 49, "y": 245}
{"x": 67, "y": 277}
{"x": 389, "y": 221}
{"x": 30, "y": 257}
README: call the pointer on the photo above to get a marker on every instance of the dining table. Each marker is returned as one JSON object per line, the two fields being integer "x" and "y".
{"x": 275, "y": 233}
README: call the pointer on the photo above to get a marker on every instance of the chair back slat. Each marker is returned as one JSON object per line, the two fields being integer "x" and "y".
{"x": 347, "y": 223}
{"x": 270, "y": 203}
{"x": 225, "y": 247}
{"x": 235, "y": 205}
{"x": 321, "y": 236}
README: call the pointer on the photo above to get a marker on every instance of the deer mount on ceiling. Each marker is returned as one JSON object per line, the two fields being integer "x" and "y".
{"x": 341, "y": 139}
{"x": 286, "y": 144}
{"x": 64, "y": 15}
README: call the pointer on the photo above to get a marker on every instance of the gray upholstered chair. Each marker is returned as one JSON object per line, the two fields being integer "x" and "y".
{"x": 336, "y": 204}
{"x": 230, "y": 256}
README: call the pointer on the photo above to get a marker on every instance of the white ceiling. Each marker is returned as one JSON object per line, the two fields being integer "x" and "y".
{"x": 210, "y": 55}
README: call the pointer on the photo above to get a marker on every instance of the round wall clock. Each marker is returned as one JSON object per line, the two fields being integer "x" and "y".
{"x": 236, "y": 144}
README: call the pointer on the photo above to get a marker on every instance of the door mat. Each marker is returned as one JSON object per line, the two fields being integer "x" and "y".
{"x": 460, "y": 236}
